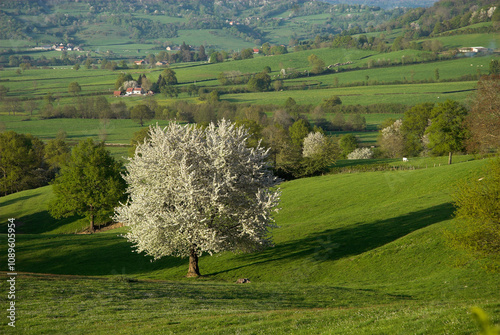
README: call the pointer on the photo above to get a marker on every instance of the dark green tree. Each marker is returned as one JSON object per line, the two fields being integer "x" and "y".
{"x": 201, "y": 53}
{"x": 123, "y": 77}
{"x": 260, "y": 82}
{"x": 494, "y": 66}
{"x": 415, "y": 122}
{"x": 57, "y": 153}
{"x": 316, "y": 63}
{"x": 3, "y": 91}
{"x": 298, "y": 131}
{"x": 329, "y": 104}
{"x": 246, "y": 53}
{"x": 21, "y": 162}
{"x": 141, "y": 113}
{"x": 348, "y": 143}
{"x": 169, "y": 76}
{"x": 89, "y": 185}
{"x": 290, "y": 105}
{"x": 447, "y": 132}
{"x": 74, "y": 88}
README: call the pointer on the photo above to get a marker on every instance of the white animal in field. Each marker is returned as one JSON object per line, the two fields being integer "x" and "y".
{"x": 405, "y": 159}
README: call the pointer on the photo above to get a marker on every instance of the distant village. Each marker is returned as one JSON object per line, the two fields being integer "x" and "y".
{"x": 59, "y": 47}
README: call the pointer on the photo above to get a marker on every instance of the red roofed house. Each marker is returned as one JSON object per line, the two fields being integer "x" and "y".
{"x": 134, "y": 90}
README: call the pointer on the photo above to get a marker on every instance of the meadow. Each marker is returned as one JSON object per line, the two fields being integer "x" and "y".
{"x": 368, "y": 257}
{"x": 409, "y": 94}
{"x": 388, "y": 82}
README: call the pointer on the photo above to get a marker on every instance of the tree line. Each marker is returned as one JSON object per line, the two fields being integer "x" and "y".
{"x": 447, "y": 127}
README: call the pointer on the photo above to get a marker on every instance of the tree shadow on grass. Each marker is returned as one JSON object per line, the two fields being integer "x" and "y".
{"x": 16, "y": 200}
{"x": 41, "y": 222}
{"x": 334, "y": 244}
{"x": 107, "y": 254}
{"x": 87, "y": 255}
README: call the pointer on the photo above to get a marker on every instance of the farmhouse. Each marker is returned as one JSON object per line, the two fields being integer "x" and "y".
{"x": 473, "y": 49}
{"x": 117, "y": 93}
{"x": 140, "y": 62}
{"x": 138, "y": 90}
{"x": 134, "y": 91}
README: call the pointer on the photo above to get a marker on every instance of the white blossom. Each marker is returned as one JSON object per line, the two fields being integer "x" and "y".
{"x": 198, "y": 189}
{"x": 361, "y": 153}
{"x": 313, "y": 144}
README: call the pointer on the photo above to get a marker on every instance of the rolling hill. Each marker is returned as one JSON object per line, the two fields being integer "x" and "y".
{"x": 373, "y": 244}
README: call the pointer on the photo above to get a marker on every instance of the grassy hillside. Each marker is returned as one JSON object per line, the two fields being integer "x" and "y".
{"x": 369, "y": 242}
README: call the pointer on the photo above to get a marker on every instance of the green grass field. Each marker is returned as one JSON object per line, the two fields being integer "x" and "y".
{"x": 398, "y": 84}
{"x": 360, "y": 253}
{"x": 409, "y": 94}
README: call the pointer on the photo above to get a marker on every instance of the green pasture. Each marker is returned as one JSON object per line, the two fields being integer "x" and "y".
{"x": 211, "y": 38}
{"x": 118, "y": 131}
{"x": 147, "y": 307}
{"x": 36, "y": 83}
{"x": 39, "y": 82}
{"x": 360, "y": 253}
{"x": 448, "y": 71}
{"x": 292, "y": 60}
{"x": 491, "y": 40}
{"x": 409, "y": 94}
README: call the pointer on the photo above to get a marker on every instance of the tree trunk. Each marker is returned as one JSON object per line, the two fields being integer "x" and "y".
{"x": 91, "y": 221}
{"x": 194, "y": 270}
{"x": 449, "y": 158}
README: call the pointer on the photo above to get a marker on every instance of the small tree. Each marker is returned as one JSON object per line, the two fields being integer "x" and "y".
{"x": 391, "y": 140}
{"x": 89, "y": 184}
{"x": 330, "y": 103}
{"x": 298, "y": 131}
{"x": 447, "y": 132}
{"x": 169, "y": 76}
{"x": 21, "y": 157}
{"x": 316, "y": 63}
{"x": 74, "y": 88}
{"x": 260, "y": 82}
{"x": 57, "y": 153}
{"x": 348, "y": 143}
{"x": 318, "y": 153}
{"x": 195, "y": 191}
{"x": 415, "y": 122}
{"x": 141, "y": 113}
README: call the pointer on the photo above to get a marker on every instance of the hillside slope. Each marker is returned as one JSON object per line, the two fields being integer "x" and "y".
{"x": 347, "y": 229}
{"x": 359, "y": 253}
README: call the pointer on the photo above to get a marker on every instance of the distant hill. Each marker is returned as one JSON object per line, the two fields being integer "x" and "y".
{"x": 224, "y": 24}
{"x": 447, "y": 15}
{"x": 387, "y": 4}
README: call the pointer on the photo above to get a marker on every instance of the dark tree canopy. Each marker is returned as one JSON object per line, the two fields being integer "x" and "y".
{"x": 141, "y": 113}
{"x": 90, "y": 184}
{"x": 447, "y": 132}
{"x": 21, "y": 162}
